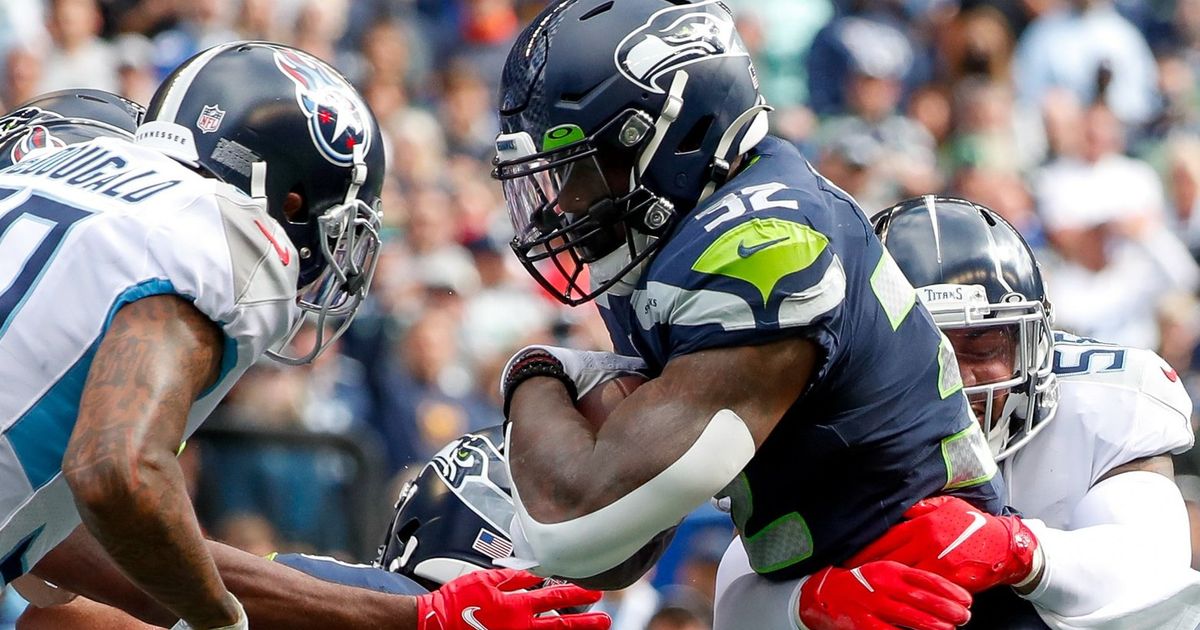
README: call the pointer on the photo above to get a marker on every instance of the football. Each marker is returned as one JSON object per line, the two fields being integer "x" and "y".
{"x": 597, "y": 404}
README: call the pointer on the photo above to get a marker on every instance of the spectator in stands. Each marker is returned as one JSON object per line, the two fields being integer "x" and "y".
{"x": 22, "y": 74}
{"x": 1104, "y": 216}
{"x": 870, "y": 31}
{"x": 22, "y": 23}
{"x": 135, "y": 68}
{"x": 428, "y": 394}
{"x": 1183, "y": 190}
{"x": 78, "y": 58}
{"x": 880, "y": 56}
{"x": 1083, "y": 46}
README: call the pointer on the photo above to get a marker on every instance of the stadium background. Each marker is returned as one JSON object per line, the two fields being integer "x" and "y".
{"x": 1077, "y": 120}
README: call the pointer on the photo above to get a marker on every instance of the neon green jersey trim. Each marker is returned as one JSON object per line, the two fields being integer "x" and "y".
{"x": 762, "y": 252}
{"x": 968, "y": 459}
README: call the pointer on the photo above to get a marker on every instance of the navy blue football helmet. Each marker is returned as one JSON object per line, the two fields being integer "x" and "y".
{"x": 454, "y": 517}
{"x": 57, "y": 119}
{"x": 973, "y": 270}
{"x": 616, "y": 118}
{"x": 272, "y": 120}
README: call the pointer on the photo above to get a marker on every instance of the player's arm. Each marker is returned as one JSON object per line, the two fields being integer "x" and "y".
{"x": 588, "y": 500}
{"x": 278, "y": 597}
{"x": 156, "y": 358}
{"x": 1125, "y": 557}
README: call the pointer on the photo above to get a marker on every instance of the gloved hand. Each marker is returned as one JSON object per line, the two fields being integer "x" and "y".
{"x": 580, "y": 370}
{"x": 496, "y": 600}
{"x": 881, "y": 596}
{"x": 950, "y": 537}
{"x": 243, "y": 623}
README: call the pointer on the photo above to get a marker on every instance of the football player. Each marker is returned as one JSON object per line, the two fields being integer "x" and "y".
{"x": 451, "y": 521}
{"x": 1083, "y": 432}
{"x": 792, "y": 371}
{"x": 141, "y": 280}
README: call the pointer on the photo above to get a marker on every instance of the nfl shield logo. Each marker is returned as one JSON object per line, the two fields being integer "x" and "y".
{"x": 210, "y": 118}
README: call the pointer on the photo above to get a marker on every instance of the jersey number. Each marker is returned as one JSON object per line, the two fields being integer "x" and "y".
{"x": 31, "y": 230}
{"x": 1105, "y": 359}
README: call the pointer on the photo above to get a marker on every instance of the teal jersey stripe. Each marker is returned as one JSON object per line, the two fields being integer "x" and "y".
{"x": 40, "y": 436}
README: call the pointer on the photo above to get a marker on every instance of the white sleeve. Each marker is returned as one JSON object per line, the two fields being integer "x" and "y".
{"x": 215, "y": 253}
{"x": 1124, "y": 563}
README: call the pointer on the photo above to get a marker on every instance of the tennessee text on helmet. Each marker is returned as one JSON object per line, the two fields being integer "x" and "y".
{"x": 974, "y": 272}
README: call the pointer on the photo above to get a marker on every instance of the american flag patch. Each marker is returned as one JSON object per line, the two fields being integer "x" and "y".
{"x": 491, "y": 545}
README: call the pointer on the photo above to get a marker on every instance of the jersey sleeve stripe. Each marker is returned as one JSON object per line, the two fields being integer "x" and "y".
{"x": 39, "y": 437}
{"x": 661, "y": 303}
{"x": 895, "y": 293}
{"x": 800, "y": 309}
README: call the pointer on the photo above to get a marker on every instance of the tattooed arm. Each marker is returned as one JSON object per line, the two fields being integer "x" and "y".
{"x": 158, "y": 355}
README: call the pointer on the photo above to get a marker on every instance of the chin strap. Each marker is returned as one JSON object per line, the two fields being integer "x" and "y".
{"x": 754, "y": 122}
{"x": 258, "y": 181}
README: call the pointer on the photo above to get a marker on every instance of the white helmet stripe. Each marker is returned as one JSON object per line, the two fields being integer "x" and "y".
{"x": 183, "y": 81}
{"x": 933, "y": 221}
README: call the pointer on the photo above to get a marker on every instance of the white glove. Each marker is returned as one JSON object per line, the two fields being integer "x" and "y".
{"x": 242, "y": 622}
{"x": 586, "y": 369}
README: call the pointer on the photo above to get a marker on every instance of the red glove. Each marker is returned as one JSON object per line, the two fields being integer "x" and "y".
{"x": 496, "y": 600}
{"x": 949, "y": 537}
{"x": 881, "y": 596}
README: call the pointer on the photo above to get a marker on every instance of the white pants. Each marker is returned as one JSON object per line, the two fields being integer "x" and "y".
{"x": 747, "y": 600}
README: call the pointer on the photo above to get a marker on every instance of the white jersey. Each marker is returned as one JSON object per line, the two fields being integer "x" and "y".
{"x": 1116, "y": 404}
{"x": 85, "y": 230}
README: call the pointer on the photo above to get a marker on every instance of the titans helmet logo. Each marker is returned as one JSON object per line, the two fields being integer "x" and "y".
{"x": 338, "y": 120}
{"x": 674, "y": 38}
{"x": 34, "y": 138}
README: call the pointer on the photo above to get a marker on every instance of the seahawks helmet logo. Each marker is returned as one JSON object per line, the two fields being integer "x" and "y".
{"x": 34, "y": 138}
{"x": 676, "y": 37}
{"x": 338, "y": 120}
{"x": 467, "y": 458}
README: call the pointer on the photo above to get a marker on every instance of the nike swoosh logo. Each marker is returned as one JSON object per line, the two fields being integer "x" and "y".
{"x": 746, "y": 252}
{"x": 468, "y": 615}
{"x": 285, "y": 256}
{"x": 975, "y": 526}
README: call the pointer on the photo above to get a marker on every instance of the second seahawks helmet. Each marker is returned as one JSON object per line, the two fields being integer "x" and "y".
{"x": 454, "y": 517}
{"x": 972, "y": 269}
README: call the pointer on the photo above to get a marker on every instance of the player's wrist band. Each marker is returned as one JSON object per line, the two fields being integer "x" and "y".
{"x": 535, "y": 364}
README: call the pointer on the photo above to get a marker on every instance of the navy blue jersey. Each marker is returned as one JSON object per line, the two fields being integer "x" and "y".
{"x": 779, "y": 253}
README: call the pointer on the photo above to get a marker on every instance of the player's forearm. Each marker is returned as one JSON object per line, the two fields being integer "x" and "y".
{"x": 276, "y": 596}
{"x": 552, "y": 452}
{"x": 141, "y": 515}
{"x": 1127, "y": 557}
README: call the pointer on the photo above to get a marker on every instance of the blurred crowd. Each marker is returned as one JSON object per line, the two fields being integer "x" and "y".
{"x": 1077, "y": 120}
